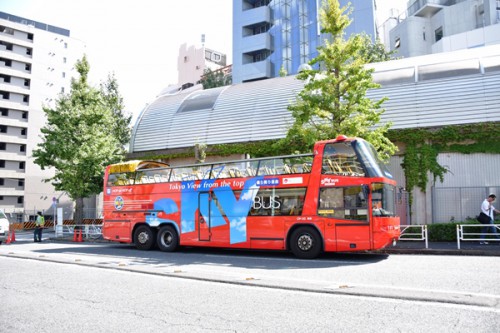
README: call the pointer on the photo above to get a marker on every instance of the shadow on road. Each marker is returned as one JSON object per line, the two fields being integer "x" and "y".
{"x": 209, "y": 256}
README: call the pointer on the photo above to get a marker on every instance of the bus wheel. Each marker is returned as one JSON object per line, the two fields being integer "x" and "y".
{"x": 305, "y": 243}
{"x": 167, "y": 239}
{"x": 144, "y": 238}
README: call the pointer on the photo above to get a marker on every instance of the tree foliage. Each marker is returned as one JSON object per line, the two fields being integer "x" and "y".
{"x": 334, "y": 100}
{"x": 84, "y": 133}
{"x": 214, "y": 79}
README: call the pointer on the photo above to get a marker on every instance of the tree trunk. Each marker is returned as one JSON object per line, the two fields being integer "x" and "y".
{"x": 79, "y": 211}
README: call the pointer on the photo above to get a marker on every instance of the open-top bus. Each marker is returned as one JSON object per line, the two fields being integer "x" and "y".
{"x": 339, "y": 198}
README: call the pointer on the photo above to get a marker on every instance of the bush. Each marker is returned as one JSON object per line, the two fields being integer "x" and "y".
{"x": 445, "y": 232}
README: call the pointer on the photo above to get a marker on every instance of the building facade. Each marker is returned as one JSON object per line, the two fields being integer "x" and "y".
{"x": 271, "y": 35}
{"x": 193, "y": 61}
{"x": 445, "y": 25}
{"x": 432, "y": 91}
{"x": 36, "y": 65}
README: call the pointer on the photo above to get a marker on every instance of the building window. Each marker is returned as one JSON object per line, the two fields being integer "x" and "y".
{"x": 2, "y": 182}
{"x": 30, "y": 36}
{"x": 397, "y": 43}
{"x": 21, "y": 165}
{"x": 20, "y": 183}
{"x": 62, "y": 90}
{"x": 63, "y": 74}
{"x": 65, "y": 45}
{"x": 24, "y": 131}
{"x": 3, "y": 129}
{"x": 29, "y": 51}
{"x": 20, "y": 200}
{"x": 8, "y": 62}
{"x": 2, "y": 163}
{"x": 26, "y": 98}
{"x": 5, "y": 94}
{"x": 64, "y": 60}
{"x": 22, "y": 148}
{"x": 25, "y": 115}
{"x": 3, "y": 146}
{"x": 1, "y": 197}
{"x": 5, "y": 112}
{"x": 438, "y": 33}
{"x": 6, "y": 78}
{"x": 27, "y": 67}
{"x": 26, "y": 82}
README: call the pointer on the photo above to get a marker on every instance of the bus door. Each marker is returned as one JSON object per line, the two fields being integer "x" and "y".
{"x": 346, "y": 208}
{"x": 204, "y": 203}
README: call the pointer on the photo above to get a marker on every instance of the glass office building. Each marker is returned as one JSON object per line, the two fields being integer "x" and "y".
{"x": 269, "y": 35}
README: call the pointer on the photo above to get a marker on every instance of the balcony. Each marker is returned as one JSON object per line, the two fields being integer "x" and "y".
{"x": 256, "y": 70}
{"x": 426, "y": 8}
{"x": 256, "y": 42}
{"x": 255, "y": 16}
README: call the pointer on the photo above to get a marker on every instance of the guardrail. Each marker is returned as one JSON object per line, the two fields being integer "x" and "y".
{"x": 414, "y": 233}
{"x": 89, "y": 231}
{"x": 470, "y": 236}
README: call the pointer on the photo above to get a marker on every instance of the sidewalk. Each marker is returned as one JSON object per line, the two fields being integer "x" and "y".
{"x": 467, "y": 248}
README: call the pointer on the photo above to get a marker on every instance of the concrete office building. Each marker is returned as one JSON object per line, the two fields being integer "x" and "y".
{"x": 272, "y": 34}
{"x": 36, "y": 65}
{"x": 434, "y": 26}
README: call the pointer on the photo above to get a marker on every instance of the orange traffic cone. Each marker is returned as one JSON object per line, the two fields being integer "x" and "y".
{"x": 74, "y": 235}
{"x": 80, "y": 236}
{"x": 9, "y": 239}
{"x": 13, "y": 237}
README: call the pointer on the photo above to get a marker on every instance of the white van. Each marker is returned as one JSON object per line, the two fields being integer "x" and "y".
{"x": 4, "y": 227}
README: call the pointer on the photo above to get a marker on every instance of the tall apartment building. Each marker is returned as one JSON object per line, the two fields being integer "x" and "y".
{"x": 272, "y": 34}
{"x": 434, "y": 26}
{"x": 36, "y": 65}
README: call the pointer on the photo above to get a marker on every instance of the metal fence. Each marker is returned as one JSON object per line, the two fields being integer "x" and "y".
{"x": 456, "y": 204}
{"x": 25, "y": 219}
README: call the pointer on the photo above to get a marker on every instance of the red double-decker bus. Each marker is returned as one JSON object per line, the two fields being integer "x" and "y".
{"x": 339, "y": 198}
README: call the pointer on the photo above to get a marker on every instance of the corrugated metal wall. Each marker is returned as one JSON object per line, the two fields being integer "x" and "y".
{"x": 258, "y": 110}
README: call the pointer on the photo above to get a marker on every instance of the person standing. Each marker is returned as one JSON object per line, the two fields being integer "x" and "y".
{"x": 488, "y": 209}
{"x": 40, "y": 222}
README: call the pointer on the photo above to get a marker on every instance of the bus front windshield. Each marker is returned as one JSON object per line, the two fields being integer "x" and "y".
{"x": 383, "y": 200}
{"x": 369, "y": 158}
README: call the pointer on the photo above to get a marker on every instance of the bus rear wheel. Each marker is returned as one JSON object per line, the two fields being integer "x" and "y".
{"x": 167, "y": 239}
{"x": 144, "y": 238}
{"x": 305, "y": 243}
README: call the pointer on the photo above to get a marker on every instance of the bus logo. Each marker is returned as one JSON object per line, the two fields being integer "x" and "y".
{"x": 119, "y": 203}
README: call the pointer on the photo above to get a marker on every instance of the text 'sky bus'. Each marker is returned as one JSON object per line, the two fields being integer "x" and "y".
{"x": 340, "y": 198}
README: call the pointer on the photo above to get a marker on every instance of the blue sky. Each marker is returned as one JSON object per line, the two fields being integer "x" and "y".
{"x": 137, "y": 40}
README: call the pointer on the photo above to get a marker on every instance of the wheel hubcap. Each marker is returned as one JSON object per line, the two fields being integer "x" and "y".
{"x": 167, "y": 238}
{"x": 143, "y": 237}
{"x": 305, "y": 242}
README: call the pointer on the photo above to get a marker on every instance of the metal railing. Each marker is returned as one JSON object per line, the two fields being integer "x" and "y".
{"x": 414, "y": 233}
{"x": 462, "y": 235}
{"x": 89, "y": 231}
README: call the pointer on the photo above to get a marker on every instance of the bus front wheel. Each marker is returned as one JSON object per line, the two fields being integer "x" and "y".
{"x": 168, "y": 239}
{"x": 305, "y": 243}
{"x": 144, "y": 238}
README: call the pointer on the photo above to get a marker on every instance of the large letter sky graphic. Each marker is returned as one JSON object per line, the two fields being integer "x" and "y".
{"x": 236, "y": 210}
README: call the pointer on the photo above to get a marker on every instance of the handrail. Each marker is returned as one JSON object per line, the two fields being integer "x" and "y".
{"x": 418, "y": 236}
{"x": 461, "y": 234}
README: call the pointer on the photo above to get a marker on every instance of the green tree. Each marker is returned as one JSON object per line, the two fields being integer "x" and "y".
{"x": 85, "y": 131}
{"x": 214, "y": 79}
{"x": 334, "y": 100}
{"x": 374, "y": 51}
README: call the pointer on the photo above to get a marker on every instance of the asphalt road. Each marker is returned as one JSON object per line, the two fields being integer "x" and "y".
{"x": 44, "y": 296}
{"x": 334, "y": 291}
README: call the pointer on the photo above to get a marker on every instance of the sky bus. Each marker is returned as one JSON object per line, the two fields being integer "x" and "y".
{"x": 339, "y": 198}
